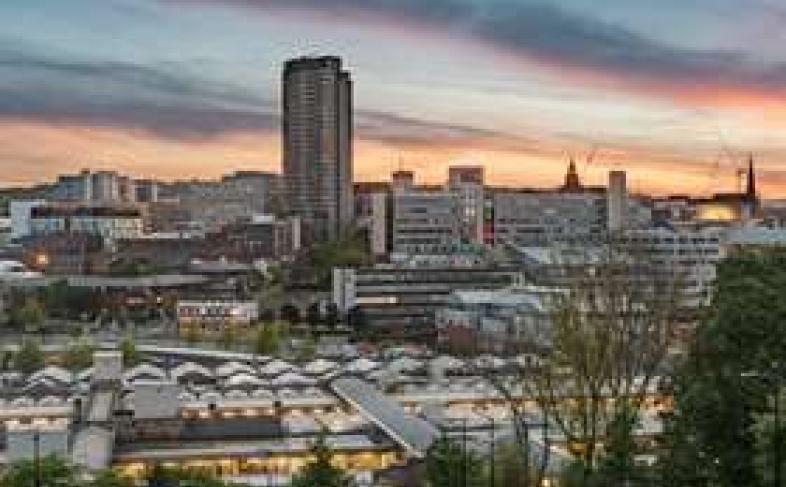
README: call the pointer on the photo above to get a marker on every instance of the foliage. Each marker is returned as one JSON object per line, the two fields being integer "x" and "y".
{"x": 78, "y": 355}
{"x": 710, "y": 437}
{"x": 268, "y": 339}
{"x": 308, "y": 348}
{"x": 29, "y": 314}
{"x": 228, "y": 337}
{"x": 64, "y": 301}
{"x": 29, "y": 357}
{"x": 332, "y": 316}
{"x": 192, "y": 335}
{"x": 131, "y": 355}
{"x": 610, "y": 326}
{"x": 290, "y": 313}
{"x": 321, "y": 472}
{"x": 357, "y": 319}
{"x": 348, "y": 251}
{"x": 50, "y": 470}
{"x": 133, "y": 269}
{"x": 314, "y": 314}
{"x": 769, "y": 434}
{"x": 448, "y": 464}
{"x": 110, "y": 478}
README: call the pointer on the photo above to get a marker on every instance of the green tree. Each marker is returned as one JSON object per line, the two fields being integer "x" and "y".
{"x": 711, "y": 439}
{"x": 51, "y": 471}
{"x": 769, "y": 433}
{"x": 30, "y": 314}
{"x": 228, "y": 337}
{"x": 192, "y": 335}
{"x": 29, "y": 357}
{"x": 110, "y": 478}
{"x": 321, "y": 472}
{"x": 448, "y": 464}
{"x": 78, "y": 355}
{"x": 308, "y": 348}
{"x": 267, "y": 340}
{"x": 131, "y": 355}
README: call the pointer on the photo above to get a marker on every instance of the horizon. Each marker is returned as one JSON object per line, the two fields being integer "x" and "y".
{"x": 182, "y": 89}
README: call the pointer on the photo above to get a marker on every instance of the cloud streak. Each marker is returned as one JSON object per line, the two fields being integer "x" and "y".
{"x": 545, "y": 32}
{"x": 165, "y": 102}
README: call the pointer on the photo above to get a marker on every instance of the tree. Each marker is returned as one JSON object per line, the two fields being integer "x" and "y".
{"x": 110, "y": 478}
{"x": 449, "y": 464}
{"x": 308, "y": 348}
{"x": 267, "y": 340}
{"x": 192, "y": 335}
{"x": 357, "y": 320}
{"x": 321, "y": 472}
{"x": 78, "y": 355}
{"x": 50, "y": 470}
{"x": 332, "y": 315}
{"x": 715, "y": 428}
{"x": 610, "y": 321}
{"x": 30, "y": 314}
{"x": 290, "y": 313}
{"x": 769, "y": 432}
{"x": 29, "y": 357}
{"x": 314, "y": 314}
{"x": 228, "y": 336}
{"x": 131, "y": 355}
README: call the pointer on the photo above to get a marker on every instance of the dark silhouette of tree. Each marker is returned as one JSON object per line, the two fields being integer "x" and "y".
{"x": 321, "y": 472}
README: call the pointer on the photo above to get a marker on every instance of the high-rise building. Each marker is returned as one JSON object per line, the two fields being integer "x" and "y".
{"x": 317, "y": 144}
{"x": 466, "y": 182}
{"x": 617, "y": 196}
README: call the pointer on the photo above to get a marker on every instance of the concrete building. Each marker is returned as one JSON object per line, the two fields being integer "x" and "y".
{"x": 73, "y": 187}
{"x": 467, "y": 184}
{"x": 544, "y": 218}
{"x": 426, "y": 221}
{"x": 106, "y": 186}
{"x": 21, "y": 212}
{"x": 509, "y": 320}
{"x": 108, "y": 222}
{"x": 399, "y": 296}
{"x": 617, "y": 201}
{"x": 146, "y": 190}
{"x": 317, "y": 144}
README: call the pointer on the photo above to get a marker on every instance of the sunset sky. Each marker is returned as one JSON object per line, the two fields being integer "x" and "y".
{"x": 676, "y": 92}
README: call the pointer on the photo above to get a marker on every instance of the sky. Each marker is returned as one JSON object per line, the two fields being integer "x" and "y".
{"x": 676, "y": 92}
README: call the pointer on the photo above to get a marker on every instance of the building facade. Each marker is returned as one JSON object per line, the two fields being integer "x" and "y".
{"x": 317, "y": 144}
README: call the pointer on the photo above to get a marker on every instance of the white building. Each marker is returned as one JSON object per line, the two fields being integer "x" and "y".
{"x": 20, "y": 212}
{"x": 108, "y": 222}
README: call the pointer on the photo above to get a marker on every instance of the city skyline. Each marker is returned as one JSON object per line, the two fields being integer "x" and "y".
{"x": 168, "y": 88}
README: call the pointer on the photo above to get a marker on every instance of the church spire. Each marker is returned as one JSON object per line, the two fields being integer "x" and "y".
{"x": 750, "y": 191}
{"x": 572, "y": 182}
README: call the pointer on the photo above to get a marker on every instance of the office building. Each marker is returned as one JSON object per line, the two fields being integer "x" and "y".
{"x": 617, "y": 197}
{"x": 73, "y": 187}
{"x": 317, "y": 144}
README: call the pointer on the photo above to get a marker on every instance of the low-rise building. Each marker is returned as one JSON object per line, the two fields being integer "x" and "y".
{"x": 513, "y": 319}
{"x": 213, "y": 317}
{"x": 108, "y": 222}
